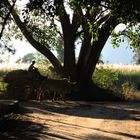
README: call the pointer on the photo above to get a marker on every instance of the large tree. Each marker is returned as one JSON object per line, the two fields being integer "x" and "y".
{"x": 89, "y": 22}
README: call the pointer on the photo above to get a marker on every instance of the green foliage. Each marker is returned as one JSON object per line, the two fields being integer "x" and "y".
{"x": 125, "y": 87}
{"x": 39, "y": 17}
{"x": 125, "y": 9}
{"x": 3, "y": 86}
{"x": 133, "y": 78}
{"x": 105, "y": 77}
{"x": 131, "y": 34}
{"x": 28, "y": 58}
{"x": 125, "y": 84}
{"x": 136, "y": 57}
{"x": 108, "y": 77}
{"x": 116, "y": 39}
{"x": 40, "y": 59}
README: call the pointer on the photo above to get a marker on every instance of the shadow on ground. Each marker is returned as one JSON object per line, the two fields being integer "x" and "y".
{"x": 101, "y": 110}
{"x": 21, "y": 127}
{"x": 16, "y": 127}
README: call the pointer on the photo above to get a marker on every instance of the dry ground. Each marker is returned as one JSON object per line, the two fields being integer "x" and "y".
{"x": 75, "y": 121}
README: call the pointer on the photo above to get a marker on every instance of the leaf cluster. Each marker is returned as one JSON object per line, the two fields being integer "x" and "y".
{"x": 106, "y": 77}
{"x": 126, "y": 11}
{"x": 131, "y": 33}
{"x": 3, "y": 10}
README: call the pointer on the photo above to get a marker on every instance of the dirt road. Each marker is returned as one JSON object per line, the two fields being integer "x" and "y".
{"x": 81, "y": 121}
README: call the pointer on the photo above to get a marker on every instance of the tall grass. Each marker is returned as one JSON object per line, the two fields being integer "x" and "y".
{"x": 126, "y": 73}
{"x": 6, "y": 67}
{"x": 43, "y": 69}
{"x": 125, "y": 79}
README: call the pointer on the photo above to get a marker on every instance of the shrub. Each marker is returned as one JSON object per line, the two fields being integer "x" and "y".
{"x": 106, "y": 77}
{"x": 3, "y": 86}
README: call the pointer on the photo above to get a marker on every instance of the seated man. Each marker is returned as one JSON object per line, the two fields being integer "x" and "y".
{"x": 32, "y": 68}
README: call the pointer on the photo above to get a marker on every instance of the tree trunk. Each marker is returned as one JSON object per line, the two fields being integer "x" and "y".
{"x": 69, "y": 36}
{"x": 84, "y": 53}
{"x": 88, "y": 90}
{"x": 69, "y": 59}
{"x": 69, "y": 52}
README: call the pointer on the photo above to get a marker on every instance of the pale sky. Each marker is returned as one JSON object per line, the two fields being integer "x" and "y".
{"x": 22, "y": 48}
{"x": 121, "y": 55}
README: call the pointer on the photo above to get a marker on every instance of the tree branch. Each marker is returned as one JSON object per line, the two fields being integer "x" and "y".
{"x": 6, "y": 18}
{"x": 64, "y": 17}
{"x": 39, "y": 47}
{"x": 97, "y": 46}
{"x": 76, "y": 21}
{"x": 103, "y": 19}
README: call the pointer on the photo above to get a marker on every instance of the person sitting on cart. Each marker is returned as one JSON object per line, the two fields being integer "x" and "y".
{"x": 35, "y": 71}
{"x": 32, "y": 68}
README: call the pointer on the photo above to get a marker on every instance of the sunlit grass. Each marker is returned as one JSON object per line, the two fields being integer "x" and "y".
{"x": 122, "y": 68}
{"x": 129, "y": 73}
{"x": 43, "y": 69}
{"x": 6, "y": 67}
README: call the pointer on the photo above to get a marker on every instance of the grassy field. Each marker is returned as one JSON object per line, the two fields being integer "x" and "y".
{"x": 124, "y": 73}
{"x": 125, "y": 79}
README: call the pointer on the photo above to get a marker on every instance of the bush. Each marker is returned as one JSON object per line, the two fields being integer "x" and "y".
{"x": 106, "y": 77}
{"x": 123, "y": 85}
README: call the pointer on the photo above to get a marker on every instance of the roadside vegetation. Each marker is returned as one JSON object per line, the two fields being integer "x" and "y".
{"x": 124, "y": 80}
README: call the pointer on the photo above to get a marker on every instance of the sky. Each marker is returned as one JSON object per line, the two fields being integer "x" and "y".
{"x": 22, "y": 48}
{"x": 121, "y": 55}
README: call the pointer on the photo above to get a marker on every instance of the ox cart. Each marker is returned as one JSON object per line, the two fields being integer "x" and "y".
{"x": 22, "y": 84}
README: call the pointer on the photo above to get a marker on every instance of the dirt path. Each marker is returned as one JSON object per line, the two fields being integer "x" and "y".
{"x": 77, "y": 121}
{"x": 86, "y": 121}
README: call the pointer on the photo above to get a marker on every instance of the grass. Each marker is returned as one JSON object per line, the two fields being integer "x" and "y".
{"x": 125, "y": 79}
{"x": 127, "y": 82}
{"x": 130, "y": 73}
